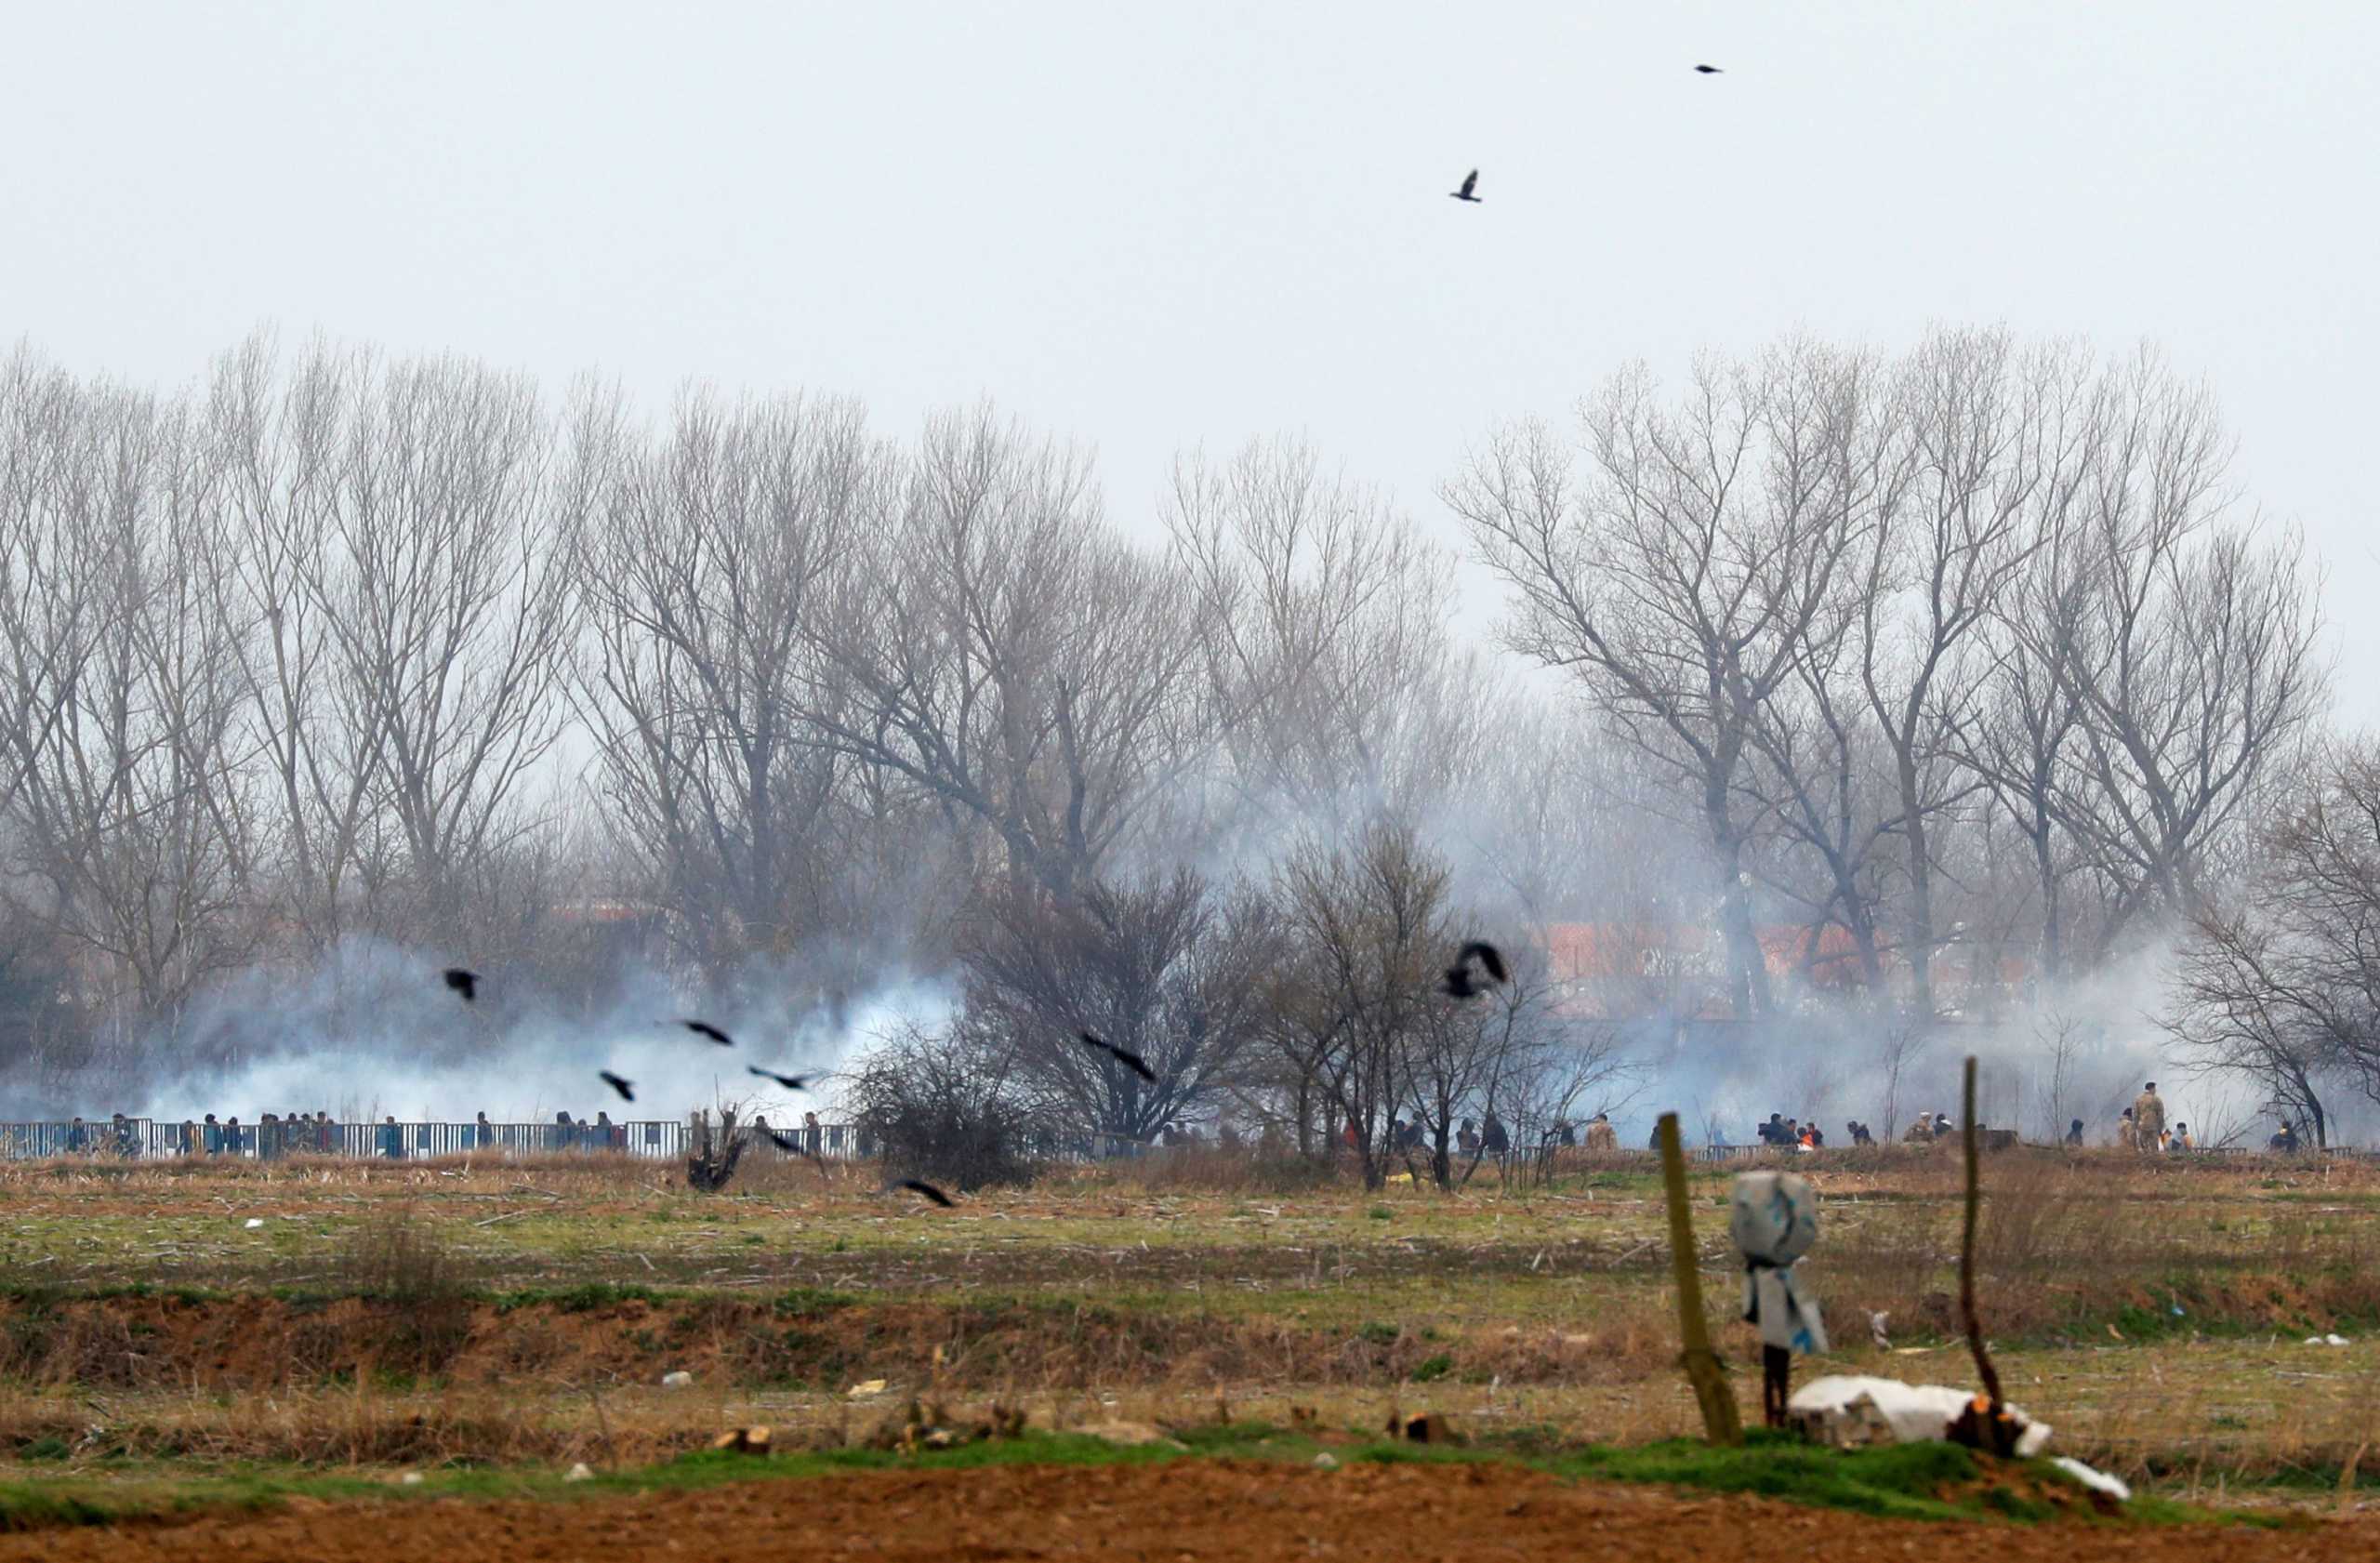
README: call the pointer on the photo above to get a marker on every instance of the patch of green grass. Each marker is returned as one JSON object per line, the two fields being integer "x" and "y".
{"x": 808, "y": 1302}
{"x": 1434, "y": 1367}
{"x": 1923, "y": 1481}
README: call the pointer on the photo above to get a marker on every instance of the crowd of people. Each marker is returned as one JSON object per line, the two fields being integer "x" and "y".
{"x": 2141, "y": 1127}
{"x": 279, "y": 1134}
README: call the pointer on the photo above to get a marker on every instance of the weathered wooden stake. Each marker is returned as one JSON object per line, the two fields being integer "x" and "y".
{"x": 1704, "y": 1369}
{"x": 1966, "y": 1254}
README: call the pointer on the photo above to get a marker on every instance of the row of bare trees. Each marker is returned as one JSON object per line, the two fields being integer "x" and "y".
{"x": 1938, "y": 668}
{"x": 1972, "y": 647}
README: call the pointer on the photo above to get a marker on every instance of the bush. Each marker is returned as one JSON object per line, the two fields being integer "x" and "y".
{"x": 940, "y": 1107}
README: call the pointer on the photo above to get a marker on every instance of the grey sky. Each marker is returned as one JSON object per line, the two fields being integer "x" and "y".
{"x": 1146, "y": 227}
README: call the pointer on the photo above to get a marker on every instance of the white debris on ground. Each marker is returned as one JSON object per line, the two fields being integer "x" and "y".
{"x": 254, "y": 1222}
{"x": 1848, "y": 1411}
{"x": 2098, "y": 1481}
{"x": 2326, "y": 1339}
{"x": 579, "y": 1473}
{"x": 863, "y": 1390}
{"x": 679, "y": 1379}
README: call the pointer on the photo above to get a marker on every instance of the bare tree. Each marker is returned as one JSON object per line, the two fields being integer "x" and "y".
{"x": 703, "y": 559}
{"x": 1162, "y": 967}
{"x": 127, "y": 808}
{"x": 2283, "y": 988}
{"x": 1327, "y": 647}
{"x": 2195, "y": 661}
{"x": 1001, "y": 651}
{"x": 1366, "y": 939}
{"x": 1986, "y": 442}
{"x": 1680, "y": 578}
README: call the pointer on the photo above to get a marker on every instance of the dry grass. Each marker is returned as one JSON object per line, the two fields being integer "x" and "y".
{"x": 459, "y": 1310}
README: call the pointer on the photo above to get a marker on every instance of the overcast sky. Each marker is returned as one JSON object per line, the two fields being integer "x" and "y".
{"x": 1146, "y": 227}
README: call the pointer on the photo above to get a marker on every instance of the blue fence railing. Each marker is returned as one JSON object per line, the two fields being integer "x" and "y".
{"x": 146, "y": 1139}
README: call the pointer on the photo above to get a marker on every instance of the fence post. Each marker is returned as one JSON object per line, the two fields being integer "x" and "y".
{"x": 1704, "y": 1369}
{"x": 1966, "y": 1250}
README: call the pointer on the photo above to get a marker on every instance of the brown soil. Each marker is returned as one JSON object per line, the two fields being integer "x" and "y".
{"x": 1193, "y": 1509}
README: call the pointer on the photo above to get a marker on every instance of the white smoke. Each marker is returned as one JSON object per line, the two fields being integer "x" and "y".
{"x": 372, "y": 1030}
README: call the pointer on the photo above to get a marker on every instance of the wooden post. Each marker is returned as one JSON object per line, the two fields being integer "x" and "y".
{"x": 1704, "y": 1369}
{"x": 1966, "y": 1254}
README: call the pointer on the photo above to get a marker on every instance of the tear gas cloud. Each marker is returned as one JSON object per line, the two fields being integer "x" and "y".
{"x": 371, "y": 1031}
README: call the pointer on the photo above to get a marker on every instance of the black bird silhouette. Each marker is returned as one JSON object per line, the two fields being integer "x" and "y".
{"x": 465, "y": 983}
{"x": 626, "y": 1088}
{"x": 1706, "y": 71}
{"x": 1487, "y": 955}
{"x": 1134, "y": 1061}
{"x": 1470, "y": 183}
{"x": 1460, "y": 982}
{"x": 791, "y": 1082}
{"x": 929, "y": 1190}
{"x": 712, "y": 1032}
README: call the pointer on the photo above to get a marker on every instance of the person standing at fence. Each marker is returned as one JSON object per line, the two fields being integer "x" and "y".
{"x": 211, "y": 1136}
{"x": 393, "y": 1139}
{"x": 235, "y": 1138}
{"x": 1601, "y": 1135}
{"x": 1494, "y": 1138}
{"x": 482, "y": 1131}
{"x": 813, "y": 1138}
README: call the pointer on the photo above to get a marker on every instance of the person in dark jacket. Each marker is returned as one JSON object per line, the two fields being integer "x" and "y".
{"x": 393, "y": 1139}
{"x": 1493, "y": 1138}
{"x": 2074, "y": 1133}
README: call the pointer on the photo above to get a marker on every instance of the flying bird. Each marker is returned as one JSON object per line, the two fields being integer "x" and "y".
{"x": 1133, "y": 1061}
{"x": 791, "y": 1082}
{"x": 1487, "y": 955}
{"x": 1706, "y": 71}
{"x": 1459, "y": 984}
{"x": 465, "y": 983}
{"x": 711, "y": 1032}
{"x": 626, "y": 1088}
{"x": 929, "y": 1190}
{"x": 1470, "y": 183}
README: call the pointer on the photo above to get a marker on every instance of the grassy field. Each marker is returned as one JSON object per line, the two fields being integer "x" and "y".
{"x": 515, "y": 1318}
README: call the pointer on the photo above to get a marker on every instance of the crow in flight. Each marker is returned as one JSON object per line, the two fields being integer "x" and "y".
{"x": 1460, "y": 982}
{"x": 626, "y": 1088}
{"x": 1470, "y": 183}
{"x": 1706, "y": 70}
{"x": 791, "y": 1082}
{"x": 711, "y": 1032}
{"x": 465, "y": 983}
{"x": 1138, "y": 1065}
{"x": 929, "y": 1190}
